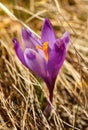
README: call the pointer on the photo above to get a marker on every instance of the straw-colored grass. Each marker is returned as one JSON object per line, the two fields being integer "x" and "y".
{"x": 20, "y": 104}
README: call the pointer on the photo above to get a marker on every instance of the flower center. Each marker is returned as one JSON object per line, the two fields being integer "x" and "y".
{"x": 44, "y": 48}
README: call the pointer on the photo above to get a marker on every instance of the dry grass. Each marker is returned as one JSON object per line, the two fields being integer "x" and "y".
{"x": 19, "y": 102}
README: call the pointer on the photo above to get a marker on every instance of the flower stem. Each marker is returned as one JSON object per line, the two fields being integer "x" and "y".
{"x": 48, "y": 107}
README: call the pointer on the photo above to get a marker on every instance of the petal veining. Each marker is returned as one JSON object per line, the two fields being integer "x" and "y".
{"x": 48, "y": 33}
{"x": 56, "y": 59}
{"x": 29, "y": 40}
{"x": 35, "y": 62}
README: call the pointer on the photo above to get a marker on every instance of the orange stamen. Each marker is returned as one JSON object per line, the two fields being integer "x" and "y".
{"x": 44, "y": 48}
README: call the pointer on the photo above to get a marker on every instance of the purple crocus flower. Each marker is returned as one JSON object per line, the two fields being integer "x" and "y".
{"x": 43, "y": 56}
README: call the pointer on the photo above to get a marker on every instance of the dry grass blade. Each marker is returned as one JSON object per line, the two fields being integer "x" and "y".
{"x": 16, "y": 19}
{"x": 29, "y": 12}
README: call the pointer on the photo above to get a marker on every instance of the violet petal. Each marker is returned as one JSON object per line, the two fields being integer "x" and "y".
{"x": 29, "y": 40}
{"x": 19, "y": 51}
{"x": 56, "y": 58}
{"x": 66, "y": 38}
{"x": 48, "y": 34}
{"x": 35, "y": 62}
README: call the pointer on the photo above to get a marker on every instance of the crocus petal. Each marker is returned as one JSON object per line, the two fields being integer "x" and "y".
{"x": 48, "y": 34}
{"x": 35, "y": 62}
{"x": 41, "y": 52}
{"x": 66, "y": 38}
{"x": 56, "y": 59}
{"x": 29, "y": 40}
{"x": 19, "y": 51}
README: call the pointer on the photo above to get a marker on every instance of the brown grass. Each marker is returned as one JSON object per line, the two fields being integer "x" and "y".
{"x": 19, "y": 102}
